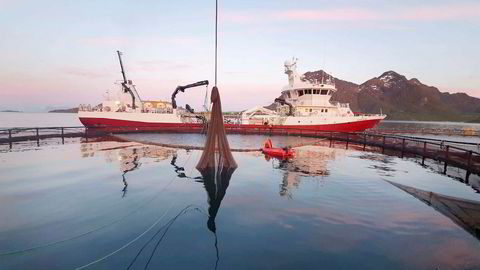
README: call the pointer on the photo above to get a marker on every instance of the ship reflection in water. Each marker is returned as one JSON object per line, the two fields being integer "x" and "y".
{"x": 129, "y": 159}
{"x": 309, "y": 161}
{"x": 109, "y": 204}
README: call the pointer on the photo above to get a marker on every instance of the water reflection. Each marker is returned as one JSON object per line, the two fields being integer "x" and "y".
{"x": 129, "y": 159}
{"x": 386, "y": 164}
{"x": 465, "y": 213}
{"x": 365, "y": 221}
{"x": 129, "y": 156}
{"x": 310, "y": 161}
{"x": 216, "y": 184}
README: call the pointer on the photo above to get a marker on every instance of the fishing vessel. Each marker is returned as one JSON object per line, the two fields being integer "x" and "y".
{"x": 303, "y": 105}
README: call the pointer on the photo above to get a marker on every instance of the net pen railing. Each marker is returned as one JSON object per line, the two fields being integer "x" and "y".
{"x": 464, "y": 154}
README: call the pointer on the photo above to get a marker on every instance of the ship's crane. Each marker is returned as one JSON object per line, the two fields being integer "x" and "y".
{"x": 181, "y": 88}
{"x": 127, "y": 86}
{"x": 282, "y": 101}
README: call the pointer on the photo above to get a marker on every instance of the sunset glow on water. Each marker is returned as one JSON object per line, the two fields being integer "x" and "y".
{"x": 79, "y": 202}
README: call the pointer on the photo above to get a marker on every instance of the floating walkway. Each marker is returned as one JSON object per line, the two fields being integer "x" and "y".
{"x": 430, "y": 131}
{"x": 463, "y": 155}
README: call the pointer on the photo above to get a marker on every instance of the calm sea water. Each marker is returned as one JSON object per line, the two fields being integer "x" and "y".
{"x": 418, "y": 125}
{"x": 429, "y": 124}
{"x": 103, "y": 204}
{"x": 12, "y": 119}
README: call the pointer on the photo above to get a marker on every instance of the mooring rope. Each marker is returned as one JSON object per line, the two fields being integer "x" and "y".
{"x": 194, "y": 147}
{"x": 95, "y": 229}
{"x": 186, "y": 147}
{"x": 127, "y": 244}
{"x": 167, "y": 227}
{"x": 167, "y": 224}
{"x": 136, "y": 238}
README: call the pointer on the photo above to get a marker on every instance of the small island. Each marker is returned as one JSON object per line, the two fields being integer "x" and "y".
{"x": 10, "y": 111}
{"x": 71, "y": 110}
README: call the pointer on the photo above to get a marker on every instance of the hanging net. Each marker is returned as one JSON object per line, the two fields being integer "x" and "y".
{"x": 216, "y": 154}
{"x": 216, "y": 163}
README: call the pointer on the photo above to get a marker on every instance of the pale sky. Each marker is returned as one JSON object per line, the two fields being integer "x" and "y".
{"x": 63, "y": 53}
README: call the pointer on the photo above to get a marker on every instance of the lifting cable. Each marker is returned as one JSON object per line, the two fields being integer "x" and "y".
{"x": 216, "y": 37}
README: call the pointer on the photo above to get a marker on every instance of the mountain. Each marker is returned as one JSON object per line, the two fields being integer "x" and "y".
{"x": 403, "y": 99}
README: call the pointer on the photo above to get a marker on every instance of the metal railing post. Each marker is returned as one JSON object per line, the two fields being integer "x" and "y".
{"x": 469, "y": 160}
{"x": 347, "y": 141}
{"x": 446, "y": 158}
{"x": 364, "y": 141}
{"x": 331, "y": 138}
{"x": 38, "y": 137}
{"x": 10, "y": 138}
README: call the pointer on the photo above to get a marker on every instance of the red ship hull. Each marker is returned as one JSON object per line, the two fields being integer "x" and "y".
{"x": 125, "y": 125}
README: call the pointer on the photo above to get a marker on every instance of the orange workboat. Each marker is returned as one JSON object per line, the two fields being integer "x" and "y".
{"x": 282, "y": 153}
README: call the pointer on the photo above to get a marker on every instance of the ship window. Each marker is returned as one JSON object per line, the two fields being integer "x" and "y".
{"x": 308, "y": 91}
{"x": 317, "y": 92}
{"x": 310, "y": 110}
{"x": 322, "y": 110}
{"x": 326, "y": 110}
{"x": 300, "y": 93}
{"x": 324, "y": 92}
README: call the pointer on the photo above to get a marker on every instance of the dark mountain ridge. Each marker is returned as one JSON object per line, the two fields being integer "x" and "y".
{"x": 403, "y": 99}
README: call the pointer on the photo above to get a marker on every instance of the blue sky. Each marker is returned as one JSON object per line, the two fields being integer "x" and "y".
{"x": 62, "y": 53}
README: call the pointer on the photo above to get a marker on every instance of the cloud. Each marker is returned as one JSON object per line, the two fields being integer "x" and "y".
{"x": 106, "y": 41}
{"x": 156, "y": 65}
{"x": 115, "y": 41}
{"x": 83, "y": 72}
{"x": 344, "y": 14}
{"x": 455, "y": 11}
{"x": 442, "y": 12}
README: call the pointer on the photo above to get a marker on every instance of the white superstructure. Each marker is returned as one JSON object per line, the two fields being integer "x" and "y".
{"x": 310, "y": 104}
